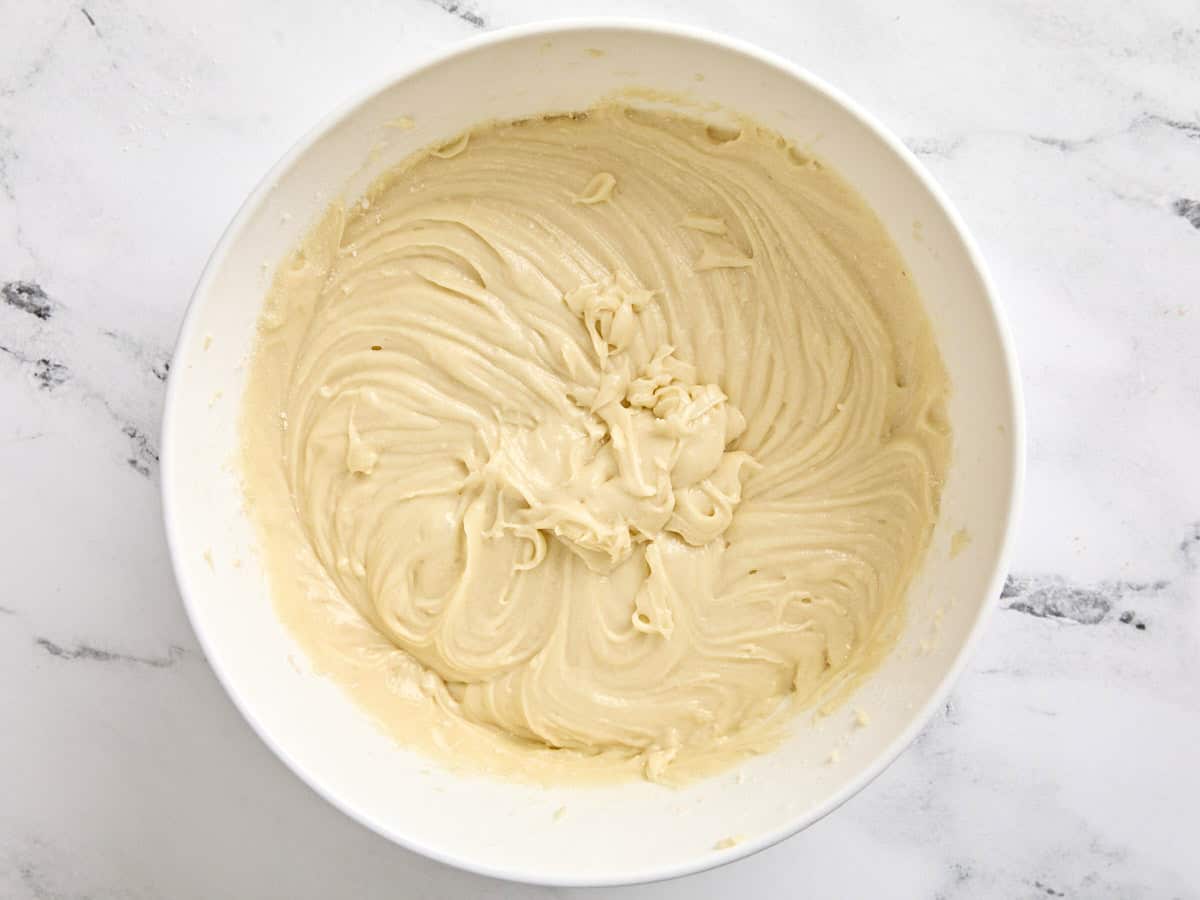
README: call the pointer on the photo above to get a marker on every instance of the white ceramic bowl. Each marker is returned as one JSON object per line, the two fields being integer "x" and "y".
{"x": 633, "y": 832}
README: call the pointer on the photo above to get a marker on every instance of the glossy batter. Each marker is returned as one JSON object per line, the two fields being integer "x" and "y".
{"x": 586, "y": 443}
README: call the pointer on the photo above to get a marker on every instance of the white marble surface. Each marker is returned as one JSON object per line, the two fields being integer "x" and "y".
{"x": 1069, "y": 135}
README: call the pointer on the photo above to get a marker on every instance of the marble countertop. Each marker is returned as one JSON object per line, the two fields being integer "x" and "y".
{"x": 1068, "y": 134}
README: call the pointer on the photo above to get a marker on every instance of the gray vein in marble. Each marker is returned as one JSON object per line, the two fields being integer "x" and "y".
{"x": 9, "y": 156}
{"x": 1098, "y": 867}
{"x": 1063, "y": 144}
{"x": 143, "y": 447}
{"x": 960, "y": 875}
{"x": 16, "y": 354}
{"x": 934, "y": 147}
{"x": 157, "y": 361}
{"x": 1128, "y": 618}
{"x": 21, "y": 438}
{"x": 95, "y": 654}
{"x": 1189, "y": 130}
{"x": 46, "y": 372}
{"x": 50, "y": 374}
{"x": 1053, "y": 597}
{"x": 145, "y": 456}
{"x": 28, "y": 297}
{"x": 931, "y": 734}
{"x": 33, "y": 881}
{"x": 34, "y": 872}
{"x": 1189, "y": 210}
{"x": 29, "y": 77}
{"x": 463, "y": 12}
{"x": 951, "y": 711}
{"x": 1038, "y": 711}
{"x": 87, "y": 15}
{"x": 946, "y": 147}
{"x": 145, "y": 453}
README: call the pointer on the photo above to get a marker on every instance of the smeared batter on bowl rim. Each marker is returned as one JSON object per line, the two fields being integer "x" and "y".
{"x": 595, "y": 444}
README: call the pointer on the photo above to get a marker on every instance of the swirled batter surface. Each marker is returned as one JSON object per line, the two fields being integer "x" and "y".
{"x": 593, "y": 440}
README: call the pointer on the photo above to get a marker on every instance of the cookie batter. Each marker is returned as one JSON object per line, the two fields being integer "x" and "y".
{"x": 596, "y": 443}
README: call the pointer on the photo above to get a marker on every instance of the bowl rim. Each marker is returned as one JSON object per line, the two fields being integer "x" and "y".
{"x": 550, "y": 27}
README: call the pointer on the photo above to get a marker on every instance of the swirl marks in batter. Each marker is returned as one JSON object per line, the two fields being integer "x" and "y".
{"x": 600, "y": 480}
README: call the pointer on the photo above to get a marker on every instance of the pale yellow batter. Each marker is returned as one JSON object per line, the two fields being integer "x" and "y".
{"x": 580, "y": 445}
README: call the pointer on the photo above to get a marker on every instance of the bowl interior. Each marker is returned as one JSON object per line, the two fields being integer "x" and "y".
{"x": 635, "y": 831}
